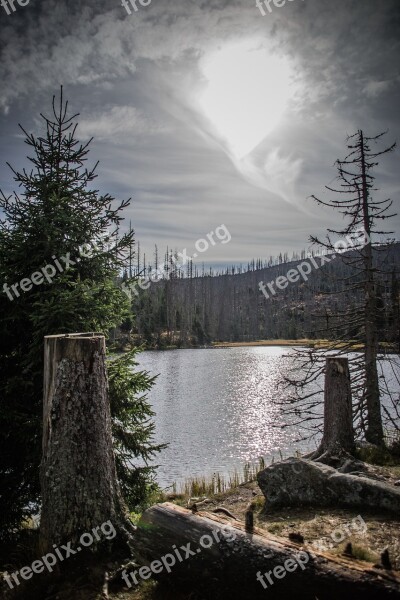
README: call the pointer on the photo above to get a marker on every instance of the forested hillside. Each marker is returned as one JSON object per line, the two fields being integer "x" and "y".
{"x": 184, "y": 309}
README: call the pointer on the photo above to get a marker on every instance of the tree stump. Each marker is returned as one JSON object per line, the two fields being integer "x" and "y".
{"x": 78, "y": 475}
{"x": 338, "y": 436}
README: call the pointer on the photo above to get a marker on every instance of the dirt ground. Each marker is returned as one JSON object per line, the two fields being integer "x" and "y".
{"x": 326, "y": 529}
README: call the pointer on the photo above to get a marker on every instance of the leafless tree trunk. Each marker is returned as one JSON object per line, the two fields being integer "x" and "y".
{"x": 374, "y": 432}
{"x": 357, "y": 324}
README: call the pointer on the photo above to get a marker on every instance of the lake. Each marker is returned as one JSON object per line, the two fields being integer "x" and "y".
{"x": 214, "y": 407}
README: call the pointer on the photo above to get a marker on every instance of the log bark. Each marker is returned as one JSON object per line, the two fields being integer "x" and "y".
{"x": 338, "y": 436}
{"x": 78, "y": 475}
{"x": 228, "y": 569}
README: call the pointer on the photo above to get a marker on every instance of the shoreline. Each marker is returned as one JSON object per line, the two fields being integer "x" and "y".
{"x": 385, "y": 348}
{"x": 261, "y": 343}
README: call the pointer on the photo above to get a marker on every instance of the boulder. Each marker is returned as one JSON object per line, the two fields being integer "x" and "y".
{"x": 300, "y": 482}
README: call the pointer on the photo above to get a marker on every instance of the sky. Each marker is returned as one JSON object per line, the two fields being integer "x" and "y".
{"x": 209, "y": 112}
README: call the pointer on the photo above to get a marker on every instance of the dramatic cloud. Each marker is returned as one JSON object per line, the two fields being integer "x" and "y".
{"x": 207, "y": 112}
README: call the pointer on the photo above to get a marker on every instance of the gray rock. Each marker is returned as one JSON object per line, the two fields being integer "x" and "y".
{"x": 300, "y": 482}
{"x": 352, "y": 466}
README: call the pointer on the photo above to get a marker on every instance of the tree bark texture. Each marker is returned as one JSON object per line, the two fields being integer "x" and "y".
{"x": 78, "y": 474}
{"x": 338, "y": 436}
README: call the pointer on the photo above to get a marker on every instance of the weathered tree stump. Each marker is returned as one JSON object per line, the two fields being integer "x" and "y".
{"x": 78, "y": 475}
{"x": 338, "y": 436}
{"x": 228, "y": 568}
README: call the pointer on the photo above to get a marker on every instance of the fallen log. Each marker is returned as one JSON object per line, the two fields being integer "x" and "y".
{"x": 217, "y": 557}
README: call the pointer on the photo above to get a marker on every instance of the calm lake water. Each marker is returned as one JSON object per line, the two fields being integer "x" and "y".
{"x": 214, "y": 407}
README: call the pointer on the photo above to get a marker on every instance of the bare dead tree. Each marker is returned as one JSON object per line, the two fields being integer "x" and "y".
{"x": 352, "y": 332}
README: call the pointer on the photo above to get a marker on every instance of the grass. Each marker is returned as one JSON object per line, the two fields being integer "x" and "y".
{"x": 388, "y": 456}
{"x": 361, "y": 553}
{"x": 196, "y": 487}
{"x": 275, "y": 528}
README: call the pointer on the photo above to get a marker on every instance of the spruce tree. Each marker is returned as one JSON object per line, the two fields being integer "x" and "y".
{"x": 61, "y": 257}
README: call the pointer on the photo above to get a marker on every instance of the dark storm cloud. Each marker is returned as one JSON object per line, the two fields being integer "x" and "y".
{"x": 131, "y": 78}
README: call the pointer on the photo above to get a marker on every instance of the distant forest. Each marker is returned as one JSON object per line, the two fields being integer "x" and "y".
{"x": 191, "y": 308}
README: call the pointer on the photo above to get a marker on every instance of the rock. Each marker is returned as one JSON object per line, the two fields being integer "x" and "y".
{"x": 397, "y": 482}
{"x": 300, "y": 482}
{"x": 352, "y": 466}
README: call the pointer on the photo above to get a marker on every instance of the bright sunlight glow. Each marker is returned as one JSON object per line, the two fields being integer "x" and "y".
{"x": 246, "y": 94}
